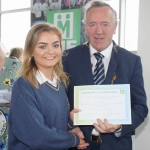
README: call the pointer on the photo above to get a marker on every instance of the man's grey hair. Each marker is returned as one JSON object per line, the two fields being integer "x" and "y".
{"x": 96, "y": 3}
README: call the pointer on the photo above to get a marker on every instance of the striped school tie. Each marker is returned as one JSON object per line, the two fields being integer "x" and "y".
{"x": 99, "y": 73}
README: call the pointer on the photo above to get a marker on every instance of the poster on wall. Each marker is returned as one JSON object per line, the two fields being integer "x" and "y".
{"x": 69, "y": 22}
{"x": 42, "y": 8}
{"x": 39, "y": 11}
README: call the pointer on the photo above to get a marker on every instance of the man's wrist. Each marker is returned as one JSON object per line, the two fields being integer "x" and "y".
{"x": 118, "y": 132}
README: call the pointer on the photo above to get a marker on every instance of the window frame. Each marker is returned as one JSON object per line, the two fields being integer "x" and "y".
{"x": 121, "y": 21}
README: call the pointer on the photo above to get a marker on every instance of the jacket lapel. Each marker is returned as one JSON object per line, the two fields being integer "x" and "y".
{"x": 87, "y": 66}
{"x": 112, "y": 65}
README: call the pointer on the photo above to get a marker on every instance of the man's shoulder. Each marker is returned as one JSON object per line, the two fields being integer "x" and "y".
{"x": 77, "y": 50}
{"x": 74, "y": 54}
{"x": 125, "y": 52}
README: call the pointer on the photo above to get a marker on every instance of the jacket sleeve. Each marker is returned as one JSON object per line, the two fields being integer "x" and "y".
{"x": 139, "y": 108}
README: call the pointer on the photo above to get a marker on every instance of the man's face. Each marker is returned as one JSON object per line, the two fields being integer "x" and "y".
{"x": 100, "y": 27}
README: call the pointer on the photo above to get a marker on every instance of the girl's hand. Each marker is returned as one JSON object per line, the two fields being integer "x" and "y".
{"x": 72, "y": 113}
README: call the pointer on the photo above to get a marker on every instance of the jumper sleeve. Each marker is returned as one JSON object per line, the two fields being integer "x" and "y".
{"x": 27, "y": 123}
{"x": 70, "y": 124}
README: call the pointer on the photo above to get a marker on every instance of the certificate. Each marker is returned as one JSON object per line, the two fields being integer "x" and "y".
{"x": 102, "y": 101}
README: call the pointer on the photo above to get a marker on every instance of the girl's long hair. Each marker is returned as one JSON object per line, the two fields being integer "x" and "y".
{"x": 29, "y": 68}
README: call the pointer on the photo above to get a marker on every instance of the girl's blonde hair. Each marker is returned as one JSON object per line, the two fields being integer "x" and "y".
{"x": 29, "y": 68}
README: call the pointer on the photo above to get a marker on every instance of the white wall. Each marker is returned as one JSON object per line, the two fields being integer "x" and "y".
{"x": 142, "y": 141}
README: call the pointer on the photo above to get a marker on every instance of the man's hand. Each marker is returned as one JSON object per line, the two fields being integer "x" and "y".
{"x": 105, "y": 127}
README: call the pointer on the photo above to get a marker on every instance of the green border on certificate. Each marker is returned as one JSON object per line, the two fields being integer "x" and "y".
{"x": 102, "y": 101}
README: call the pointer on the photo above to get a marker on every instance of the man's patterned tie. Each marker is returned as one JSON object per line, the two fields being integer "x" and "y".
{"x": 99, "y": 73}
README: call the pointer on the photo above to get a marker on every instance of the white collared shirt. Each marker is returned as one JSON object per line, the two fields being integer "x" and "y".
{"x": 107, "y": 55}
{"x": 41, "y": 78}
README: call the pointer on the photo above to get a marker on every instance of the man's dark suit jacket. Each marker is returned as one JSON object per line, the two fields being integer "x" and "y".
{"x": 128, "y": 70}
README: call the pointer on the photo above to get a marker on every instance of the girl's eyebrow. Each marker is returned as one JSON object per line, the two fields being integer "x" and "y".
{"x": 42, "y": 43}
{"x": 46, "y": 43}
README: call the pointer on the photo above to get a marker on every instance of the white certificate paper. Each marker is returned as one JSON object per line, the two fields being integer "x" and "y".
{"x": 102, "y": 101}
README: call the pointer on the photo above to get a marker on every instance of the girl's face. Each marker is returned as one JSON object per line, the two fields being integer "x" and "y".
{"x": 47, "y": 52}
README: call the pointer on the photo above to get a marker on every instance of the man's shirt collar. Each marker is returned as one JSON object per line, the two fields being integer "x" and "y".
{"x": 106, "y": 52}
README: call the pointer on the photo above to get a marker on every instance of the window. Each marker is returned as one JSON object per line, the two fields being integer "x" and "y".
{"x": 14, "y": 4}
{"x": 15, "y": 19}
{"x": 127, "y": 31}
{"x": 14, "y": 27}
{"x": 131, "y": 25}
